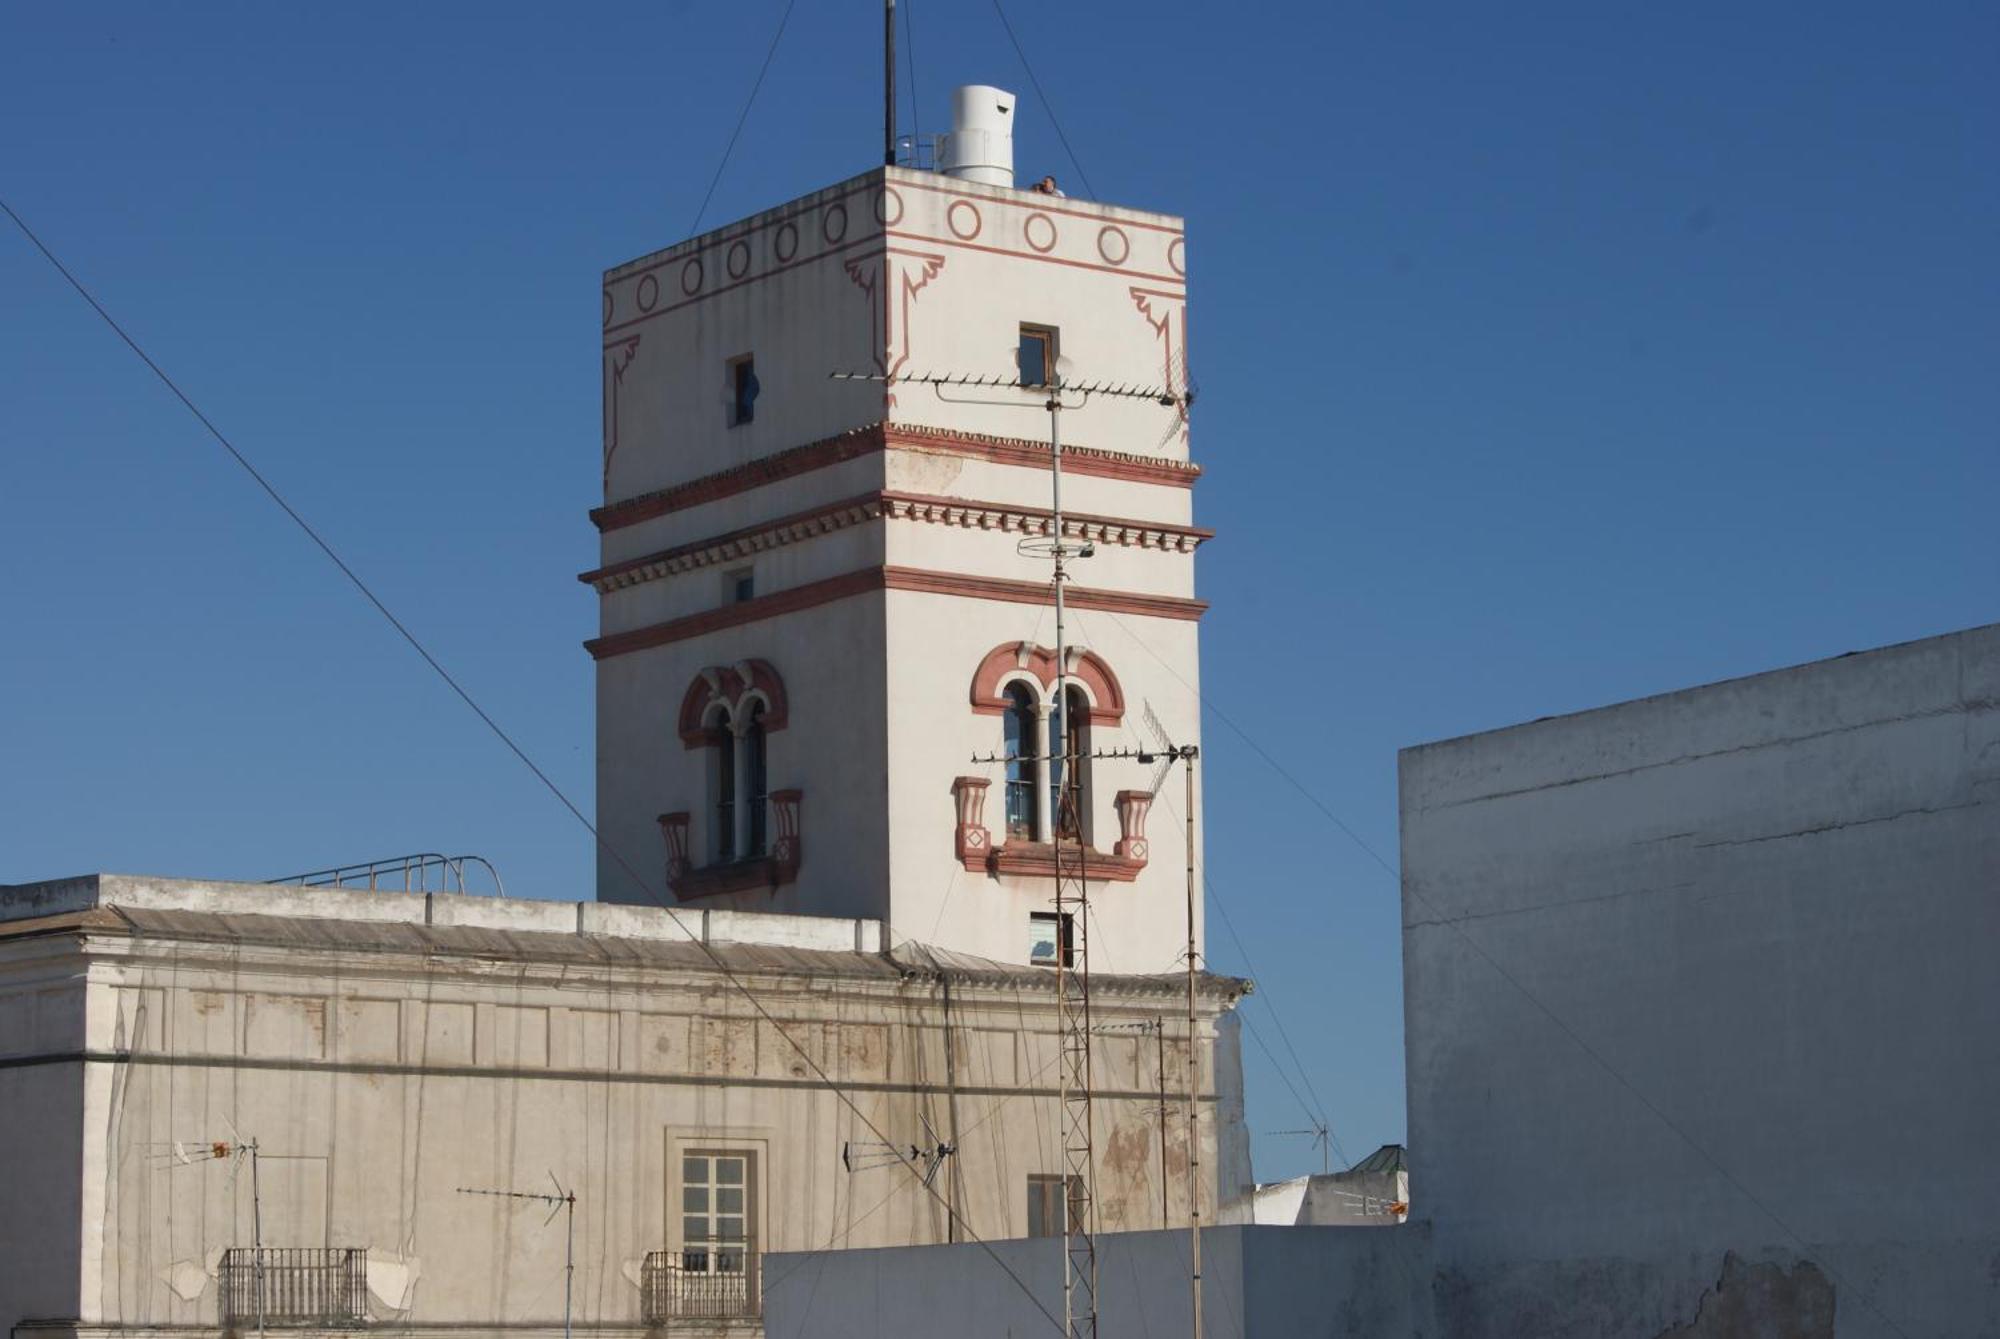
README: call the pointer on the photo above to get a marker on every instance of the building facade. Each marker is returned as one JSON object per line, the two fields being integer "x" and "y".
{"x": 815, "y": 610}
{"x": 711, "y": 1091}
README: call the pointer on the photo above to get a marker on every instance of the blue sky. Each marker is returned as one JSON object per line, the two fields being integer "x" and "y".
{"x": 1548, "y": 358}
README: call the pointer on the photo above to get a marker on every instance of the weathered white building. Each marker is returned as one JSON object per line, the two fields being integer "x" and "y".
{"x": 814, "y": 1004}
{"x": 387, "y": 1050}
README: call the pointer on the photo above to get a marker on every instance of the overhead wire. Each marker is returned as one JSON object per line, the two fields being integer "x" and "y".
{"x": 715, "y": 959}
{"x": 748, "y": 103}
{"x": 1042, "y": 94}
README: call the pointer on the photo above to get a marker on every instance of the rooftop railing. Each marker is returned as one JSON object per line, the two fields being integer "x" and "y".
{"x": 425, "y": 872}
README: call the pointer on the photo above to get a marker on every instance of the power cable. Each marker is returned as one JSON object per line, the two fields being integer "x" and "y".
{"x": 1047, "y": 106}
{"x": 707, "y": 950}
{"x": 748, "y": 103}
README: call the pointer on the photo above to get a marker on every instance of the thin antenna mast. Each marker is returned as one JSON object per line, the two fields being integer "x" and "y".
{"x": 888, "y": 83}
{"x": 562, "y": 1201}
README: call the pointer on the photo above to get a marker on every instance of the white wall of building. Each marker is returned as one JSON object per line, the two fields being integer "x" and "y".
{"x": 1769, "y": 907}
{"x": 387, "y": 1050}
{"x": 1323, "y": 1282}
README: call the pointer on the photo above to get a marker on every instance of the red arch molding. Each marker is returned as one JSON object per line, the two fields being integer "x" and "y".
{"x": 1040, "y": 661}
{"x": 702, "y": 694}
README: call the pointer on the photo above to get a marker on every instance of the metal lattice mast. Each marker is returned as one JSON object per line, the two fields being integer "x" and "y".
{"x": 1072, "y": 954}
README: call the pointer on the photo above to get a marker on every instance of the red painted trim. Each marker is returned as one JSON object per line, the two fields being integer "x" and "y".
{"x": 1033, "y": 592}
{"x": 790, "y": 601}
{"x": 819, "y": 455}
{"x": 847, "y": 446}
{"x": 865, "y": 579}
{"x": 1030, "y": 200}
{"x": 989, "y": 700}
{"x": 730, "y": 536}
{"x": 879, "y": 499}
{"x": 780, "y": 268}
{"x": 1035, "y": 455}
{"x": 701, "y": 695}
{"x": 1027, "y": 255}
{"x": 1038, "y": 860}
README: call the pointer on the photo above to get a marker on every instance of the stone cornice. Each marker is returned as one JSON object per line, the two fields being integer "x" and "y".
{"x": 897, "y": 437}
{"x": 1006, "y": 518}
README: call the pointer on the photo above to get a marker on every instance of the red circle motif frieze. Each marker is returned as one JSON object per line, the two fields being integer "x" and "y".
{"x": 1039, "y": 232}
{"x": 607, "y": 306}
{"x": 739, "y": 259}
{"x": 833, "y": 223}
{"x": 963, "y": 220}
{"x": 888, "y": 207}
{"x": 1177, "y": 256}
{"x": 648, "y": 294}
{"x": 785, "y": 242}
{"x": 691, "y": 276}
{"x": 1113, "y": 245}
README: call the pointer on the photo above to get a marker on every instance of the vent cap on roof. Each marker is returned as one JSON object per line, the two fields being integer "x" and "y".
{"x": 980, "y": 146}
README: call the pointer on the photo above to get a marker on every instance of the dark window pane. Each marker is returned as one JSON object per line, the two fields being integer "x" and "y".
{"x": 1034, "y": 357}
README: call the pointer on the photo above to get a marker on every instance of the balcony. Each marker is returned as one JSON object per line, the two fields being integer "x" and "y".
{"x": 312, "y": 1287}
{"x": 703, "y": 1280}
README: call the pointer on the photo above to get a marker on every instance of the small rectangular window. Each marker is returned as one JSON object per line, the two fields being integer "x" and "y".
{"x": 1046, "y": 1210}
{"x": 743, "y": 390}
{"x": 740, "y": 585}
{"x": 1037, "y": 355}
{"x": 1048, "y": 935}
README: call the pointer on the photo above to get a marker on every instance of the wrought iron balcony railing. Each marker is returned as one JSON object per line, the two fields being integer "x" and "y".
{"x": 713, "y": 1279}
{"x": 314, "y": 1287}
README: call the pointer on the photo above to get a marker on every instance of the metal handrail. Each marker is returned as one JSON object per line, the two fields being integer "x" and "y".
{"x": 412, "y": 871}
{"x": 315, "y": 1287}
{"x": 711, "y": 1278}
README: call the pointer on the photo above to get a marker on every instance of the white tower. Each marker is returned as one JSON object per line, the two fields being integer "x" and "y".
{"x": 813, "y": 610}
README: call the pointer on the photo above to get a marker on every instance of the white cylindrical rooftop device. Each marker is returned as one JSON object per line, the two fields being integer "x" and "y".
{"x": 980, "y": 146}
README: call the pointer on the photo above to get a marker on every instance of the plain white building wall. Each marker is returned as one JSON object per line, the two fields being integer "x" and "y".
{"x": 1772, "y": 906}
{"x": 1257, "y": 1283}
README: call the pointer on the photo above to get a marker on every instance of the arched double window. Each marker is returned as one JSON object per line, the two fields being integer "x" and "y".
{"x": 1048, "y": 774}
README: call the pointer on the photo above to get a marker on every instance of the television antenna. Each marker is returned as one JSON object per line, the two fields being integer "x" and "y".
{"x": 234, "y": 1150}
{"x": 1321, "y": 1139}
{"x": 560, "y": 1201}
{"x": 924, "y": 1159}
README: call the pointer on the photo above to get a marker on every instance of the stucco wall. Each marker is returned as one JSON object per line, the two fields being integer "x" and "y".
{"x": 41, "y": 1132}
{"x": 1261, "y": 1282}
{"x": 387, "y": 1058}
{"x": 1770, "y": 906}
